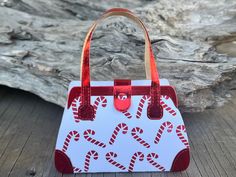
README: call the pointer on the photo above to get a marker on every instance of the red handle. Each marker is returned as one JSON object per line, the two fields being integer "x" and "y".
{"x": 86, "y": 111}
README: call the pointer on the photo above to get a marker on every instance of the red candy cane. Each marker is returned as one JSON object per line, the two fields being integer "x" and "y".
{"x": 76, "y": 102}
{"x": 150, "y": 159}
{"x": 76, "y": 170}
{"x": 87, "y": 135}
{"x": 179, "y": 130}
{"x": 71, "y": 134}
{"x": 119, "y": 127}
{"x": 74, "y": 107}
{"x": 164, "y": 125}
{"x": 141, "y": 104}
{"x": 137, "y": 138}
{"x": 147, "y": 98}
{"x": 166, "y": 107}
{"x": 127, "y": 114}
{"x": 88, "y": 156}
{"x": 136, "y": 155}
{"x": 165, "y": 96}
{"x": 100, "y": 99}
{"x": 109, "y": 157}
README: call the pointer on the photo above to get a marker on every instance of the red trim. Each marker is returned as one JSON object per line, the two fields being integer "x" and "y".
{"x": 135, "y": 90}
{"x": 62, "y": 162}
{"x": 86, "y": 112}
{"x": 181, "y": 161}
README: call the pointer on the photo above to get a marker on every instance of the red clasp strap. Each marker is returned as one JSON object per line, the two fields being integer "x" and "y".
{"x": 154, "y": 109}
{"x": 122, "y": 94}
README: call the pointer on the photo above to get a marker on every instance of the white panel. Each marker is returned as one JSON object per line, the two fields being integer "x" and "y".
{"x": 107, "y": 118}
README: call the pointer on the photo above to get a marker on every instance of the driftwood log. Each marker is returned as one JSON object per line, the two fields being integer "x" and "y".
{"x": 193, "y": 41}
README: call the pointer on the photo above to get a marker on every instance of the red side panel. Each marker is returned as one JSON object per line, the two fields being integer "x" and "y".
{"x": 181, "y": 161}
{"x": 62, "y": 162}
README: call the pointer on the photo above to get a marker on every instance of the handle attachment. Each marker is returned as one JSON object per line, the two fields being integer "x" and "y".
{"x": 86, "y": 111}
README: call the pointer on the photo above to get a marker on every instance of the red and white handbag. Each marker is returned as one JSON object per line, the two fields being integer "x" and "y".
{"x": 121, "y": 125}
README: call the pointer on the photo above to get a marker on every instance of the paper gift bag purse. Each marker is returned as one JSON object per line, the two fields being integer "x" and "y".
{"x": 121, "y": 125}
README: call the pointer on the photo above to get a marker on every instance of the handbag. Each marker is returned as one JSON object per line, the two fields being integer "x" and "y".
{"x": 121, "y": 125}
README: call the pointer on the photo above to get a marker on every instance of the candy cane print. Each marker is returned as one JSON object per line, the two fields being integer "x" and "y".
{"x": 127, "y": 114}
{"x": 136, "y": 155}
{"x": 141, "y": 104}
{"x": 167, "y": 108}
{"x": 100, "y": 99}
{"x": 88, "y": 156}
{"x": 76, "y": 170}
{"x": 71, "y": 134}
{"x": 163, "y": 126}
{"x": 179, "y": 130}
{"x": 87, "y": 135}
{"x": 109, "y": 157}
{"x": 77, "y": 100}
{"x": 119, "y": 127}
{"x": 134, "y": 132}
{"x": 75, "y": 108}
{"x": 165, "y": 96}
{"x": 150, "y": 159}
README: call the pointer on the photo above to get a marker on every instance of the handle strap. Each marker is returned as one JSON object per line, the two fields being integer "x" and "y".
{"x": 86, "y": 111}
{"x": 130, "y": 15}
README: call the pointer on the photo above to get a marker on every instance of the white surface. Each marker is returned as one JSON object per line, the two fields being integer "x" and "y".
{"x": 125, "y": 146}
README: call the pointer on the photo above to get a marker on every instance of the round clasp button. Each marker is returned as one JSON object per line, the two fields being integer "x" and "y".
{"x": 122, "y": 96}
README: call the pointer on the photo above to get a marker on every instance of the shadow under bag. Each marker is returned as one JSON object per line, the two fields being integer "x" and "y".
{"x": 121, "y": 125}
